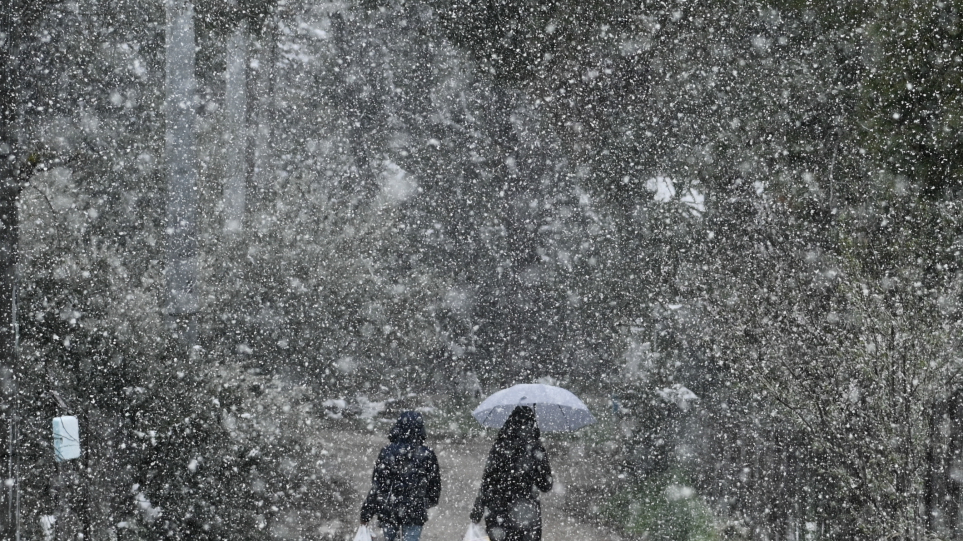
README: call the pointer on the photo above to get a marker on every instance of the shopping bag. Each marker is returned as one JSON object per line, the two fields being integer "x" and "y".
{"x": 363, "y": 534}
{"x": 475, "y": 533}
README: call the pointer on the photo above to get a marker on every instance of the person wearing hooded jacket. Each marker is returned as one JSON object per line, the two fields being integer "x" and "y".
{"x": 406, "y": 481}
{"x": 517, "y": 469}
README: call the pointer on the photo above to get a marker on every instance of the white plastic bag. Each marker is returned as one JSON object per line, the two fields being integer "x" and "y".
{"x": 363, "y": 534}
{"x": 475, "y": 533}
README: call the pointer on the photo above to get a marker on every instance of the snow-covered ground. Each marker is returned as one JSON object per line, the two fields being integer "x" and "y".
{"x": 461, "y": 469}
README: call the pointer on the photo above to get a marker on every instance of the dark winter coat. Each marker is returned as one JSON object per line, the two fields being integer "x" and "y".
{"x": 406, "y": 479}
{"x": 516, "y": 471}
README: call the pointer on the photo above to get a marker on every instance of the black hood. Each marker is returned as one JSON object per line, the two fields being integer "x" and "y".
{"x": 410, "y": 428}
{"x": 521, "y": 427}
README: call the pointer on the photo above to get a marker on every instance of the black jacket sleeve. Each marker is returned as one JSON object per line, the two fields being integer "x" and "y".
{"x": 478, "y": 510}
{"x": 481, "y": 501}
{"x": 543, "y": 470}
{"x": 374, "y": 503}
{"x": 433, "y": 491}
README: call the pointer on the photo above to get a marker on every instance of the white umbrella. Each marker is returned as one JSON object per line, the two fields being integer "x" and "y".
{"x": 556, "y": 409}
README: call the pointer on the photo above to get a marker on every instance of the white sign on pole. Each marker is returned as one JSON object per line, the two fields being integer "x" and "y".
{"x": 66, "y": 433}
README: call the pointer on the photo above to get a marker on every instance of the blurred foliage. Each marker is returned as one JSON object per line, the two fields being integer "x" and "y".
{"x": 220, "y": 16}
{"x": 912, "y": 104}
{"x": 663, "y": 507}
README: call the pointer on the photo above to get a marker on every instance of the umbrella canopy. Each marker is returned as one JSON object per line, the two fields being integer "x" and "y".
{"x": 556, "y": 409}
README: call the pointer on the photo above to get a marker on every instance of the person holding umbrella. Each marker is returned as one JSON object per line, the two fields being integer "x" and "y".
{"x": 405, "y": 483}
{"x": 517, "y": 469}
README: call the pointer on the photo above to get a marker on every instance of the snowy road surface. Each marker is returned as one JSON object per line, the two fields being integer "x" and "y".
{"x": 461, "y": 466}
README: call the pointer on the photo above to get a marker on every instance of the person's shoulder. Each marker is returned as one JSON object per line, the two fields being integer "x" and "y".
{"x": 426, "y": 451}
{"x": 388, "y": 450}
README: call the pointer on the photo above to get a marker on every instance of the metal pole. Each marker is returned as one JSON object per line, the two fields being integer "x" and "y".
{"x": 10, "y": 501}
{"x": 86, "y": 449}
{"x": 15, "y": 414}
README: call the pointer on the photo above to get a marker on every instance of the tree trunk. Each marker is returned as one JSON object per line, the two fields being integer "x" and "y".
{"x": 235, "y": 136}
{"x": 262, "y": 122}
{"x": 181, "y": 164}
{"x": 361, "y": 110}
{"x": 11, "y": 30}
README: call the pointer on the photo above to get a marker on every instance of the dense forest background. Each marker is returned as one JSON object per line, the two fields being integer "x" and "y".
{"x": 213, "y": 208}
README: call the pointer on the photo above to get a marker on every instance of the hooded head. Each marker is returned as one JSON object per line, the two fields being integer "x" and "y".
{"x": 520, "y": 427}
{"x": 410, "y": 428}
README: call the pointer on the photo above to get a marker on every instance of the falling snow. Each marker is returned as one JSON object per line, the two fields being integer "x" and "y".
{"x": 239, "y": 238}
